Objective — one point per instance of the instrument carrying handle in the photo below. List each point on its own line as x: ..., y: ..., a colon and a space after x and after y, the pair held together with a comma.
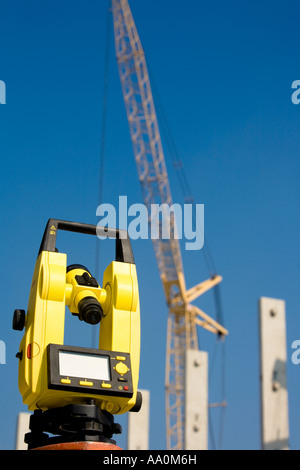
x: 123, y: 246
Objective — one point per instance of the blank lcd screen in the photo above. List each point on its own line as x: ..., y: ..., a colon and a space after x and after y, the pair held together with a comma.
x: 87, y: 366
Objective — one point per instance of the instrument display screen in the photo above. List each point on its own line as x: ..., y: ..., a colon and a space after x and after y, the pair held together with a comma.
x: 84, y: 365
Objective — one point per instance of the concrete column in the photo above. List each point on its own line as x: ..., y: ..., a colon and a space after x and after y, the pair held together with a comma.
x: 138, y: 425
x: 22, y: 429
x: 196, y: 400
x: 273, y: 357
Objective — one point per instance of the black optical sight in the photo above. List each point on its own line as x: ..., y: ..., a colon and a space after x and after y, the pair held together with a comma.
x: 90, y: 310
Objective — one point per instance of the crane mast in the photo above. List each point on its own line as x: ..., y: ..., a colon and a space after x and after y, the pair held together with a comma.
x: 183, y: 317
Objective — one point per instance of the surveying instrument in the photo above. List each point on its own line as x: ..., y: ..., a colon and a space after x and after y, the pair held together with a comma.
x: 74, y: 392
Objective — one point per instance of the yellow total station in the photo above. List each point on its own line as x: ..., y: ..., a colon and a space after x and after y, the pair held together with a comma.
x: 52, y: 374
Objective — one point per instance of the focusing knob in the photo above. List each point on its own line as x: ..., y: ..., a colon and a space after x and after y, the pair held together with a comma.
x: 18, y: 320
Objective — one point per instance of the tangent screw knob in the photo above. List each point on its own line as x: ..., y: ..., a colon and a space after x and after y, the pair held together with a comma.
x: 18, y: 320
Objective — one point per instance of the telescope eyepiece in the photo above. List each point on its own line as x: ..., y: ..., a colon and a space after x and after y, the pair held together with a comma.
x: 90, y: 310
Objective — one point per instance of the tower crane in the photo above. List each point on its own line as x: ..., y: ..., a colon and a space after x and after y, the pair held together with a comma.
x: 183, y: 315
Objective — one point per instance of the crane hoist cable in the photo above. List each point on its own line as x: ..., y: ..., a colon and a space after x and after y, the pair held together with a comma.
x: 103, y: 136
x: 174, y: 154
x: 178, y: 166
x: 183, y: 316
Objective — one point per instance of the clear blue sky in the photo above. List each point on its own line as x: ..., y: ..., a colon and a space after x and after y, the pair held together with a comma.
x: 224, y: 72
